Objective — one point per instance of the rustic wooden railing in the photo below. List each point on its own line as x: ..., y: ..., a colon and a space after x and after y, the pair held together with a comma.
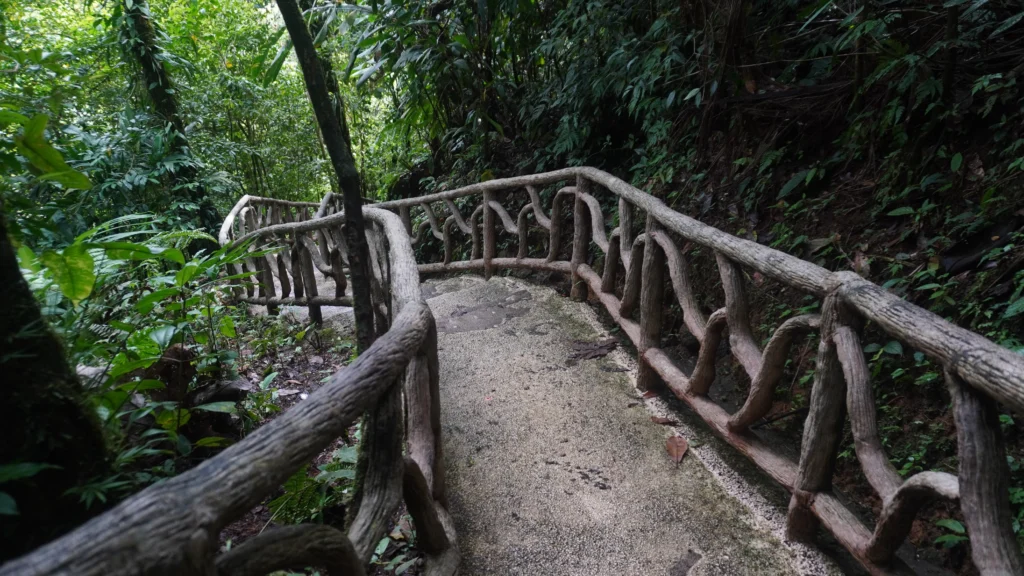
x: 173, y: 527
x: 979, y: 373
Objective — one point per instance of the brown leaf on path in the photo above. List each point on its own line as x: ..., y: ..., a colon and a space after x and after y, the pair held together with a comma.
x: 664, y: 421
x: 582, y: 350
x: 676, y: 447
x: 650, y: 394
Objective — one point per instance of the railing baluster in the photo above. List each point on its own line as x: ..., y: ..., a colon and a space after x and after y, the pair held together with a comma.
x: 406, y: 219
x: 580, y: 239
x: 524, y: 233
x: 984, y: 481
x: 823, y: 428
x: 282, y: 274
x: 490, y: 234
x: 741, y: 338
x: 309, y: 282
x: 652, y: 294
x: 610, y: 274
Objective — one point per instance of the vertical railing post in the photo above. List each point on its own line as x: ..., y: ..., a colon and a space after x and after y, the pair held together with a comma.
x: 403, y: 212
x: 984, y: 481
x: 652, y: 294
x: 266, y: 282
x: 296, y: 257
x: 309, y: 283
x: 580, y: 238
x: 490, y: 240
x: 823, y: 428
x: 625, y: 225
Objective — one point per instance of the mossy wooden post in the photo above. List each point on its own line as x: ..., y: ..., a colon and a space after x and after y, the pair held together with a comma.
x: 823, y: 428
x: 652, y: 293
x: 580, y: 239
x: 490, y: 240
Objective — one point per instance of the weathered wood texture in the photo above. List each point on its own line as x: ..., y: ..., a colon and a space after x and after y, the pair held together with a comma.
x: 979, y: 371
x: 841, y: 382
x: 173, y: 528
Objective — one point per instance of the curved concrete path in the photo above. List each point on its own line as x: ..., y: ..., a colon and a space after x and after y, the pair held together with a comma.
x: 555, y: 467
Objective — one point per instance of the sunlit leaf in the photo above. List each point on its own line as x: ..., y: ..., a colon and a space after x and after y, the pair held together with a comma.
x: 222, y: 407
x: 72, y: 270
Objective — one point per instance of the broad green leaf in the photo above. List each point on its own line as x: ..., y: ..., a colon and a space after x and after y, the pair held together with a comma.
x: 405, y: 567
x: 275, y: 66
x: 795, y: 181
x: 956, y: 162
x: 71, y: 179
x: 8, y: 117
x: 222, y: 407
x: 227, y: 327
x: 904, y: 211
x: 333, y: 475
x: 163, y: 335
x: 893, y: 347
x: 348, y: 454
x: 7, y: 505
x: 27, y: 259
x: 146, y: 304
x: 212, y: 442
x: 120, y: 369
x: 21, y: 470
x: 72, y: 270
x: 266, y: 381
x: 951, y: 525
x: 173, y: 419
x: 187, y: 273
x: 32, y: 145
x: 143, y: 385
x: 382, y: 546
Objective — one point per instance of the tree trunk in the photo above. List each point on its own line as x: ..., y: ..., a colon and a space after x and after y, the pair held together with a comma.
x: 332, y: 127
x: 44, y: 419
x: 140, y: 40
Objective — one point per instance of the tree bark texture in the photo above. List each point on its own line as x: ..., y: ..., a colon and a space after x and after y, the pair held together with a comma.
x: 45, y: 418
x: 139, y: 36
x: 334, y: 134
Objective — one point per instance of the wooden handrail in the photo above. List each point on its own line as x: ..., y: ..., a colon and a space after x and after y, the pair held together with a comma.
x: 979, y: 370
x: 173, y: 527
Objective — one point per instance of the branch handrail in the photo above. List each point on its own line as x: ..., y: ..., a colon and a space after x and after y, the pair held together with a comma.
x: 979, y: 371
x: 174, y: 527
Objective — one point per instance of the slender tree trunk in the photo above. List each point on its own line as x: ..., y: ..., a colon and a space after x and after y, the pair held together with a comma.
x: 334, y: 132
x: 44, y: 419
x: 140, y: 40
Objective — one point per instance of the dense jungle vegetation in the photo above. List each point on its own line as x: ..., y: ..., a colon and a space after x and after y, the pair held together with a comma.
x: 882, y: 136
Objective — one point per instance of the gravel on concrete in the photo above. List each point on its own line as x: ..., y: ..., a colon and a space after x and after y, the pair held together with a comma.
x: 555, y: 466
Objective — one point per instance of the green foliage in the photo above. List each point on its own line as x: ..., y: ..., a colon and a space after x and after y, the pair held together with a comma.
x: 305, y: 497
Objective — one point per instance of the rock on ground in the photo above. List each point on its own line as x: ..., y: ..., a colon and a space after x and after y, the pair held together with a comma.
x: 555, y: 466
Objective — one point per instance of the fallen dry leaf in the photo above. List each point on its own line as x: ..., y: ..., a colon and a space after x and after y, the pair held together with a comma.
x: 650, y: 394
x: 589, y: 350
x: 664, y: 421
x: 676, y: 446
x: 295, y: 382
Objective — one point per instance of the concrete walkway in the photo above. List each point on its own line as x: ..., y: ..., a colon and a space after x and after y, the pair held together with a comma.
x: 555, y: 466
